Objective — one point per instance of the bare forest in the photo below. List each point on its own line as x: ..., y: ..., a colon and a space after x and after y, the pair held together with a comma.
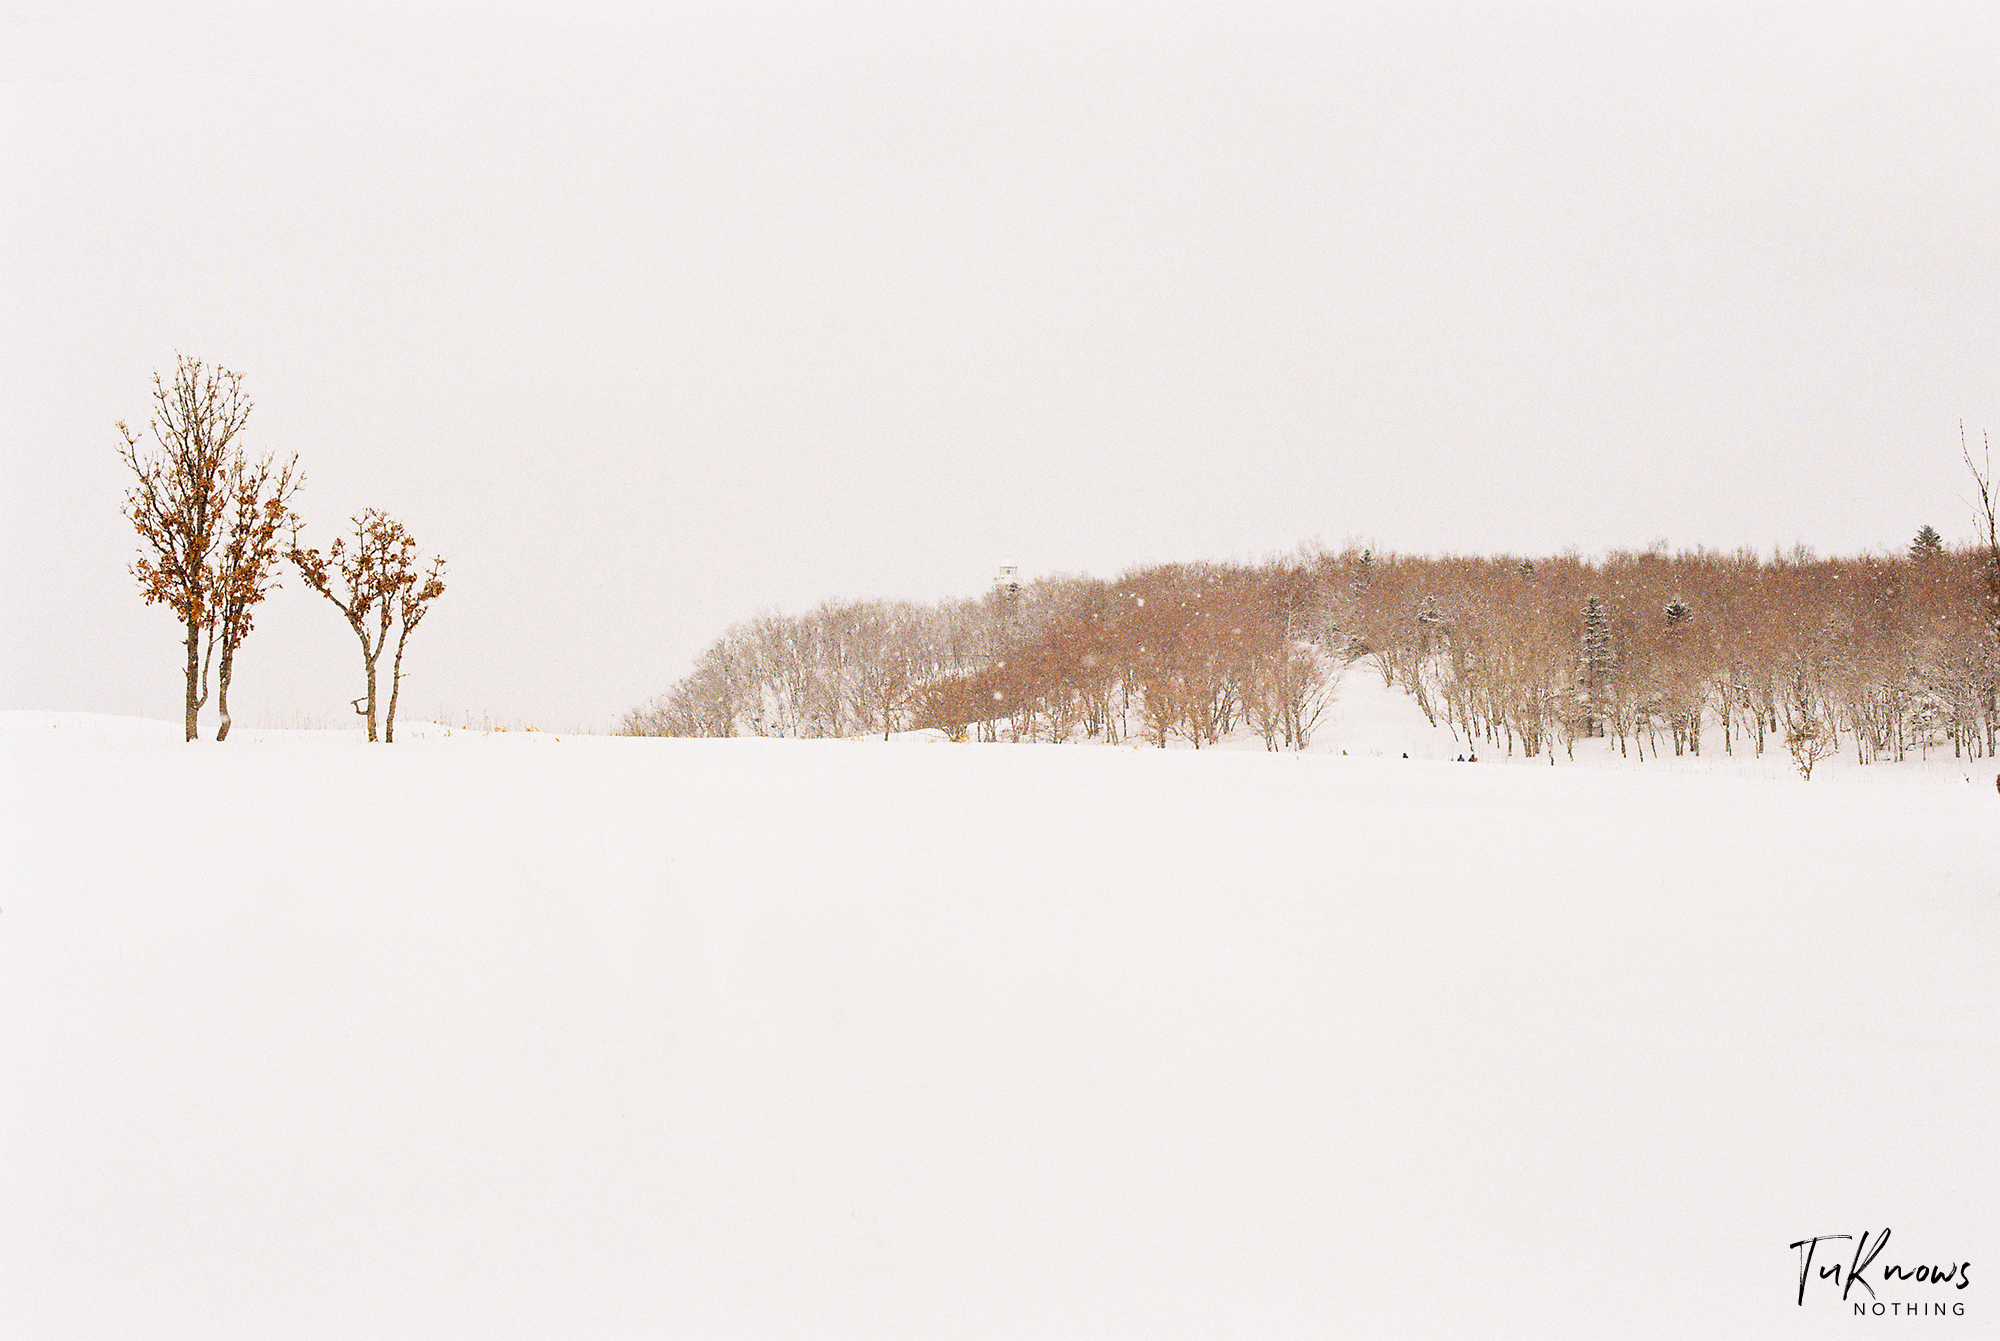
x: 1882, y: 657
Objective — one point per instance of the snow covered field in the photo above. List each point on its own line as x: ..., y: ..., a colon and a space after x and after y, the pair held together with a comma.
x: 534, y: 1036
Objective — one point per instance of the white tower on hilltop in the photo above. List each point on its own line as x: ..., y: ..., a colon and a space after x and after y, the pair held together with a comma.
x: 1008, y: 581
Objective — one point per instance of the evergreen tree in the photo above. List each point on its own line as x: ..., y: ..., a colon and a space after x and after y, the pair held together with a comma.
x: 1927, y: 543
x: 1598, y: 659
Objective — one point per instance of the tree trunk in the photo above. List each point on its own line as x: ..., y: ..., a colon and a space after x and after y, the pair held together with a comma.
x: 222, y: 688
x: 395, y: 685
x: 370, y: 651
x: 193, y: 677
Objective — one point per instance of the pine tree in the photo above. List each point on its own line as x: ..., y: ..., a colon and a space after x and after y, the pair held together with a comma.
x: 1598, y: 659
x: 1927, y: 543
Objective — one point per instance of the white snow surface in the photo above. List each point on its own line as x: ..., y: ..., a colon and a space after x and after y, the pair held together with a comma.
x: 539, y: 1036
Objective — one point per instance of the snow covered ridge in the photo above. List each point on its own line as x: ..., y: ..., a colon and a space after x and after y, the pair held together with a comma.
x: 110, y: 727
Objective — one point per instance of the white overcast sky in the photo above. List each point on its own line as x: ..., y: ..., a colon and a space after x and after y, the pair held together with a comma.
x: 653, y: 318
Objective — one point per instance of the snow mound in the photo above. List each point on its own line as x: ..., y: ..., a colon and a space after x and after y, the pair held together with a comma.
x: 822, y: 1039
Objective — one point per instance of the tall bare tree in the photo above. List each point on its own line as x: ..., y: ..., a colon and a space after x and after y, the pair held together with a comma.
x: 376, y: 585
x: 210, y: 517
x: 1986, y: 515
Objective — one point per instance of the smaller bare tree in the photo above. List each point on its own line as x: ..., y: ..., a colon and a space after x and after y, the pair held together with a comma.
x: 376, y: 585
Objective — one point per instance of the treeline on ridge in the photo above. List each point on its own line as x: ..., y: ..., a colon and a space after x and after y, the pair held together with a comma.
x: 1880, y: 655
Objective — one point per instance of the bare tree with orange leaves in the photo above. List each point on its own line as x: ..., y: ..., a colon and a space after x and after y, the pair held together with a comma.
x: 210, y: 516
x: 376, y: 584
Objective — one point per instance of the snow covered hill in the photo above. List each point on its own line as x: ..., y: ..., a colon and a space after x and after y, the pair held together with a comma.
x: 527, y: 1035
